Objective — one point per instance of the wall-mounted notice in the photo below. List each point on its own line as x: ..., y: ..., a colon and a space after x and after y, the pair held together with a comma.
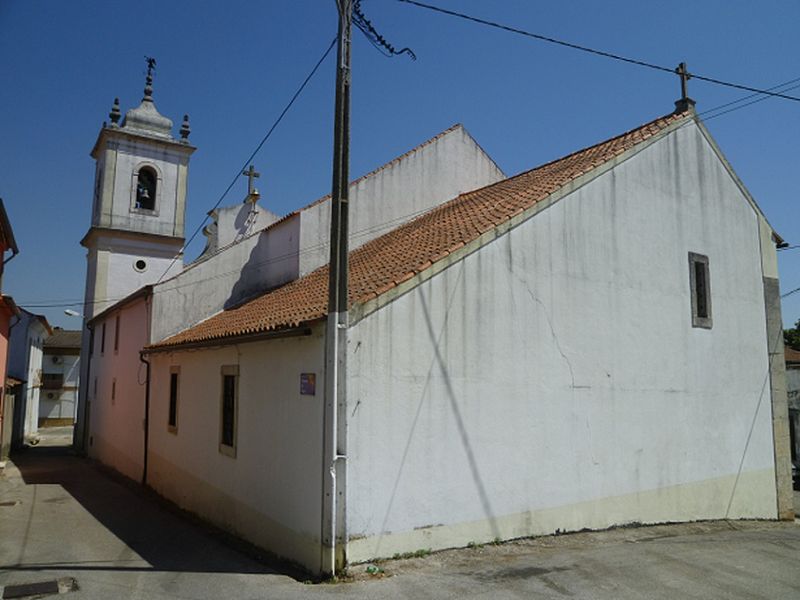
x: 308, y: 384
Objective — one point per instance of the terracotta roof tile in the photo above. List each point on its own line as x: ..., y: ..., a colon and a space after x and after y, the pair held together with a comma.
x: 402, y: 253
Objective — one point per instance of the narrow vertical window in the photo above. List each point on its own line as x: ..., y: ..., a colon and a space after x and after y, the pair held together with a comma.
x: 229, y: 409
x: 700, y: 289
x: 172, y: 416
x: 116, y: 335
x: 103, y: 339
x: 146, y: 189
x: 113, y: 391
x: 91, y: 342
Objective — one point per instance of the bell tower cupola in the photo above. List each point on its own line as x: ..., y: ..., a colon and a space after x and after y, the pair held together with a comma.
x: 136, y: 233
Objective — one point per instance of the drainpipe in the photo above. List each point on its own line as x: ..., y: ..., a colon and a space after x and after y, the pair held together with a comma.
x: 146, y: 414
x: 82, y: 446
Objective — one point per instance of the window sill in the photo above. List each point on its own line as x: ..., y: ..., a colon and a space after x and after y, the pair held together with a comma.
x: 227, y: 450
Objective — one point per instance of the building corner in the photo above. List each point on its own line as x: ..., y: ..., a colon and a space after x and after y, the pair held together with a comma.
x: 777, y: 373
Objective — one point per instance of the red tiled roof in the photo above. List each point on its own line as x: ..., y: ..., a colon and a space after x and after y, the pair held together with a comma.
x: 399, y: 255
x: 791, y: 355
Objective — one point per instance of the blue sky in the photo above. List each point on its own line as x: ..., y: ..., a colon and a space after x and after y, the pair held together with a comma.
x: 233, y: 65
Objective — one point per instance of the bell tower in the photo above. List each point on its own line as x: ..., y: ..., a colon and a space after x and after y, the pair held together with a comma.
x: 137, y: 227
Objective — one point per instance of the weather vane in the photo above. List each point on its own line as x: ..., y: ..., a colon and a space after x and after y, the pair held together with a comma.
x: 151, y: 65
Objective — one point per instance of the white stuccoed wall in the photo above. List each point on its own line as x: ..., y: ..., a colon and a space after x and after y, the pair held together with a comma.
x: 233, y: 223
x: 271, y: 492
x: 405, y: 188
x: 553, y: 380
x: 63, y: 403
x: 224, y: 279
x: 26, y: 343
x: 132, y: 153
x: 116, y: 430
x: 32, y: 387
x: 425, y: 177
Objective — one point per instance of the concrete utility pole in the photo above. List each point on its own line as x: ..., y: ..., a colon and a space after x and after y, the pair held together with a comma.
x: 335, y: 427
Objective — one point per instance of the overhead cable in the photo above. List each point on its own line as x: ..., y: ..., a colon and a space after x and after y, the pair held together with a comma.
x: 602, y: 53
x: 253, y: 154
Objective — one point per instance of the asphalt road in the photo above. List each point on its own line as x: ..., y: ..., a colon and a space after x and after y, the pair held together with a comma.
x: 60, y: 517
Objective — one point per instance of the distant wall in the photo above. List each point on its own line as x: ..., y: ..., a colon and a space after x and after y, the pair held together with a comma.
x: 58, y: 406
x: 252, y: 265
x: 425, y: 177
x: 400, y: 191
x: 116, y: 390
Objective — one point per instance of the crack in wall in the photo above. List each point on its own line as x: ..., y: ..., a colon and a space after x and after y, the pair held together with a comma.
x: 549, y: 322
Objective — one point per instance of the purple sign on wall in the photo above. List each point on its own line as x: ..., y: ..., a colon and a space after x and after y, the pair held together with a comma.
x: 308, y: 384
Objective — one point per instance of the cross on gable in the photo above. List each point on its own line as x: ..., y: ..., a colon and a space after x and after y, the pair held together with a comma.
x: 685, y: 76
x: 251, y: 174
x: 685, y: 102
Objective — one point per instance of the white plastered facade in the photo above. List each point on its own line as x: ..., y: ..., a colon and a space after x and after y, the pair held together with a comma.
x: 552, y: 379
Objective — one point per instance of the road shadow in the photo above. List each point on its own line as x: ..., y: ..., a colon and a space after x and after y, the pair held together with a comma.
x: 163, y: 535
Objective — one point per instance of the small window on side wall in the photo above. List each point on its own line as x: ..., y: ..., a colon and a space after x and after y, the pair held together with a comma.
x: 700, y: 288
x: 172, y: 417
x: 229, y: 410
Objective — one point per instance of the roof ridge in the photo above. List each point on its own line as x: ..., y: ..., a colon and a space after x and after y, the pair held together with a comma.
x: 567, y: 156
x: 384, y: 166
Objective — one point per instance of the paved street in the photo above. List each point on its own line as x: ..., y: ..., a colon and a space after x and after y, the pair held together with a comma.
x: 61, y: 517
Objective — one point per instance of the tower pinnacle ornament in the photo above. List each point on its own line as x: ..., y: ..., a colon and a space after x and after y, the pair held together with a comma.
x: 148, y: 86
x: 115, y: 113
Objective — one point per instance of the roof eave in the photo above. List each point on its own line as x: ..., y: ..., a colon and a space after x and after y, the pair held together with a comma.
x: 142, y: 292
x: 304, y: 329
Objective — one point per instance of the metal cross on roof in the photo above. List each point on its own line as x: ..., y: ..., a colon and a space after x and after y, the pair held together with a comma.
x: 685, y: 76
x: 685, y: 102
x: 251, y: 174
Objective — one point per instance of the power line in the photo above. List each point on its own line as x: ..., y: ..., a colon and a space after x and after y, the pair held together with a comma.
x: 756, y: 95
x: 253, y: 154
x: 787, y: 294
x: 67, y: 302
x: 603, y: 53
x: 761, y: 99
x: 374, y: 228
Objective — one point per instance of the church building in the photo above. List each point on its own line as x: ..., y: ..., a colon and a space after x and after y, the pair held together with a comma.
x: 581, y: 345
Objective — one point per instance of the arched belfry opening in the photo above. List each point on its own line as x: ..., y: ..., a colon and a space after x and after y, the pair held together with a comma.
x: 146, y: 188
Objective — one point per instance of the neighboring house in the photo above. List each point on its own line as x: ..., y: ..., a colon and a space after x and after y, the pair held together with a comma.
x: 60, y: 378
x: 8, y: 313
x: 793, y: 393
x: 551, y: 352
x: 28, y: 334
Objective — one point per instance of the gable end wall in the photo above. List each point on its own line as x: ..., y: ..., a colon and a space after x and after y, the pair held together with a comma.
x: 553, y: 379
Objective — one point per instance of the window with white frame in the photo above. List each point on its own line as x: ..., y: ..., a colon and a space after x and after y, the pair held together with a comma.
x: 700, y: 288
